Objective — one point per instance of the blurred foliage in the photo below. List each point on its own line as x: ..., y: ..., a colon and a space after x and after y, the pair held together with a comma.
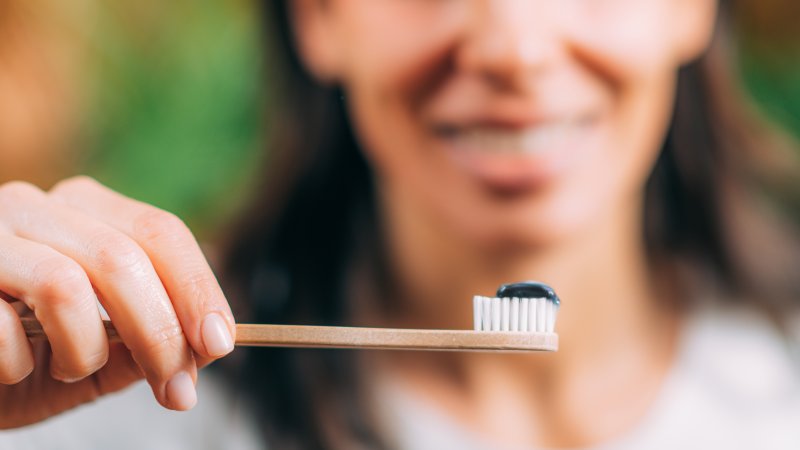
x: 775, y: 85
x: 176, y: 114
x: 176, y: 109
x: 769, y: 42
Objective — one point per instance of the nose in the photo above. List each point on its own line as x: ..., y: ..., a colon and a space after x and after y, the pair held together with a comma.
x: 507, y: 41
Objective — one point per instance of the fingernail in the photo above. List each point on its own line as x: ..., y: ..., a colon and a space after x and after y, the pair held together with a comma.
x: 58, y: 375
x: 216, y: 336
x: 67, y: 380
x: 181, y: 394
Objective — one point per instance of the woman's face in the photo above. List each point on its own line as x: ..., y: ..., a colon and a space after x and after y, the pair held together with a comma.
x: 506, y: 121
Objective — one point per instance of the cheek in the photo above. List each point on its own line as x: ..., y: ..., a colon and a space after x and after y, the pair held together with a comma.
x: 389, y: 75
x: 634, y: 67
x: 408, y: 168
x: 626, y: 38
x: 610, y: 183
x: 416, y: 182
x: 392, y: 47
x: 395, y: 71
x: 607, y: 188
x: 614, y: 181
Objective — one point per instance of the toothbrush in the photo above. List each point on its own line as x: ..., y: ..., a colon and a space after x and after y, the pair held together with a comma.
x: 527, y: 307
x: 521, y: 318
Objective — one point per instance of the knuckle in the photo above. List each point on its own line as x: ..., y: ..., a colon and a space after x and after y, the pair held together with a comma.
x: 83, y: 365
x: 80, y: 182
x: 7, y: 323
x: 18, y: 191
x: 61, y: 281
x: 112, y: 252
x: 163, y: 345
x: 203, y: 287
x: 158, y: 225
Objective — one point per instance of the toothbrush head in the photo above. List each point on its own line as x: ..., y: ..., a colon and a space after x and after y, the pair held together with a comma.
x: 528, y: 307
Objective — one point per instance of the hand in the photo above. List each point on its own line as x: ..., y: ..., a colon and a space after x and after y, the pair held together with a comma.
x: 64, y: 250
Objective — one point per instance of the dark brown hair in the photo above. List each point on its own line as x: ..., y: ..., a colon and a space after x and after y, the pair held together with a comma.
x: 294, y: 253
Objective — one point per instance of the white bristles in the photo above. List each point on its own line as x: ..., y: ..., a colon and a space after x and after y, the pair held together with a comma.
x: 514, y: 314
x: 496, y: 314
x: 533, y: 315
x: 477, y: 305
x: 523, y: 314
x: 505, y: 319
x: 551, y: 316
x: 487, y: 313
x: 541, y: 313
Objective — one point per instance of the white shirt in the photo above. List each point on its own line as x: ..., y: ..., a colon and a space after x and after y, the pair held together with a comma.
x: 735, y: 385
x: 133, y: 420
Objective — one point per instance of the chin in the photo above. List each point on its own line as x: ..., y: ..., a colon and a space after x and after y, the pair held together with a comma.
x: 506, y: 237
x: 534, y: 225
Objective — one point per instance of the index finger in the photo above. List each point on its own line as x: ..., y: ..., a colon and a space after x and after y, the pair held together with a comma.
x: 197, y: 298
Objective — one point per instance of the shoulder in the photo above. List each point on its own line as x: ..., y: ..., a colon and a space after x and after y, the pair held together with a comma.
x: 735, y: 384
x: 743, y: 351
x: 133, y: 420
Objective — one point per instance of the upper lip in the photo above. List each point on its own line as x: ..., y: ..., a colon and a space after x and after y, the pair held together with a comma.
x: 470, y: 120
x: 508, y: 118
x: 511, y: 122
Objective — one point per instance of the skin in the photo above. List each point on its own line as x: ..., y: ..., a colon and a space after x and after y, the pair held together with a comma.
x: 421, y: 78
x: 63, y: 250
x: 464, y: 214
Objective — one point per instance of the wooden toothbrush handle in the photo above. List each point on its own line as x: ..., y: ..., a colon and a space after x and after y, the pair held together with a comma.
x: 34, y: 331
x: 365, y: 338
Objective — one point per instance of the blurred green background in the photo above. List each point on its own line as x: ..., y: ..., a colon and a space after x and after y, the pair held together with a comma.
x: 177, y: 89
x: 176, y: 101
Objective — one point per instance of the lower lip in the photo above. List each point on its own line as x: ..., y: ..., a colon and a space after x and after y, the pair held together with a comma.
x: 513, y: 172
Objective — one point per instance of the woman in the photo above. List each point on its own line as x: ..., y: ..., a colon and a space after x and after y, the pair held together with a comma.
x: 492, y: 141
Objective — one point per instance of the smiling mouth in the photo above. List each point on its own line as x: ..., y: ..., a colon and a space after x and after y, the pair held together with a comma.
x: 519, y: 158
x: 531, y: 140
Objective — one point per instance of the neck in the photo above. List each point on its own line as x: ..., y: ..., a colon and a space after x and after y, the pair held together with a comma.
x: 601, y: 274
x: 611, y: 318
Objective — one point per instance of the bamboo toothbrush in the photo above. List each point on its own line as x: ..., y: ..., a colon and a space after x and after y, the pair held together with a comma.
x: 521, y: 318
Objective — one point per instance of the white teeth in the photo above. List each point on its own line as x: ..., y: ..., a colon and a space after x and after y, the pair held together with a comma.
x: 529, y: 140
x: 533, y: 315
